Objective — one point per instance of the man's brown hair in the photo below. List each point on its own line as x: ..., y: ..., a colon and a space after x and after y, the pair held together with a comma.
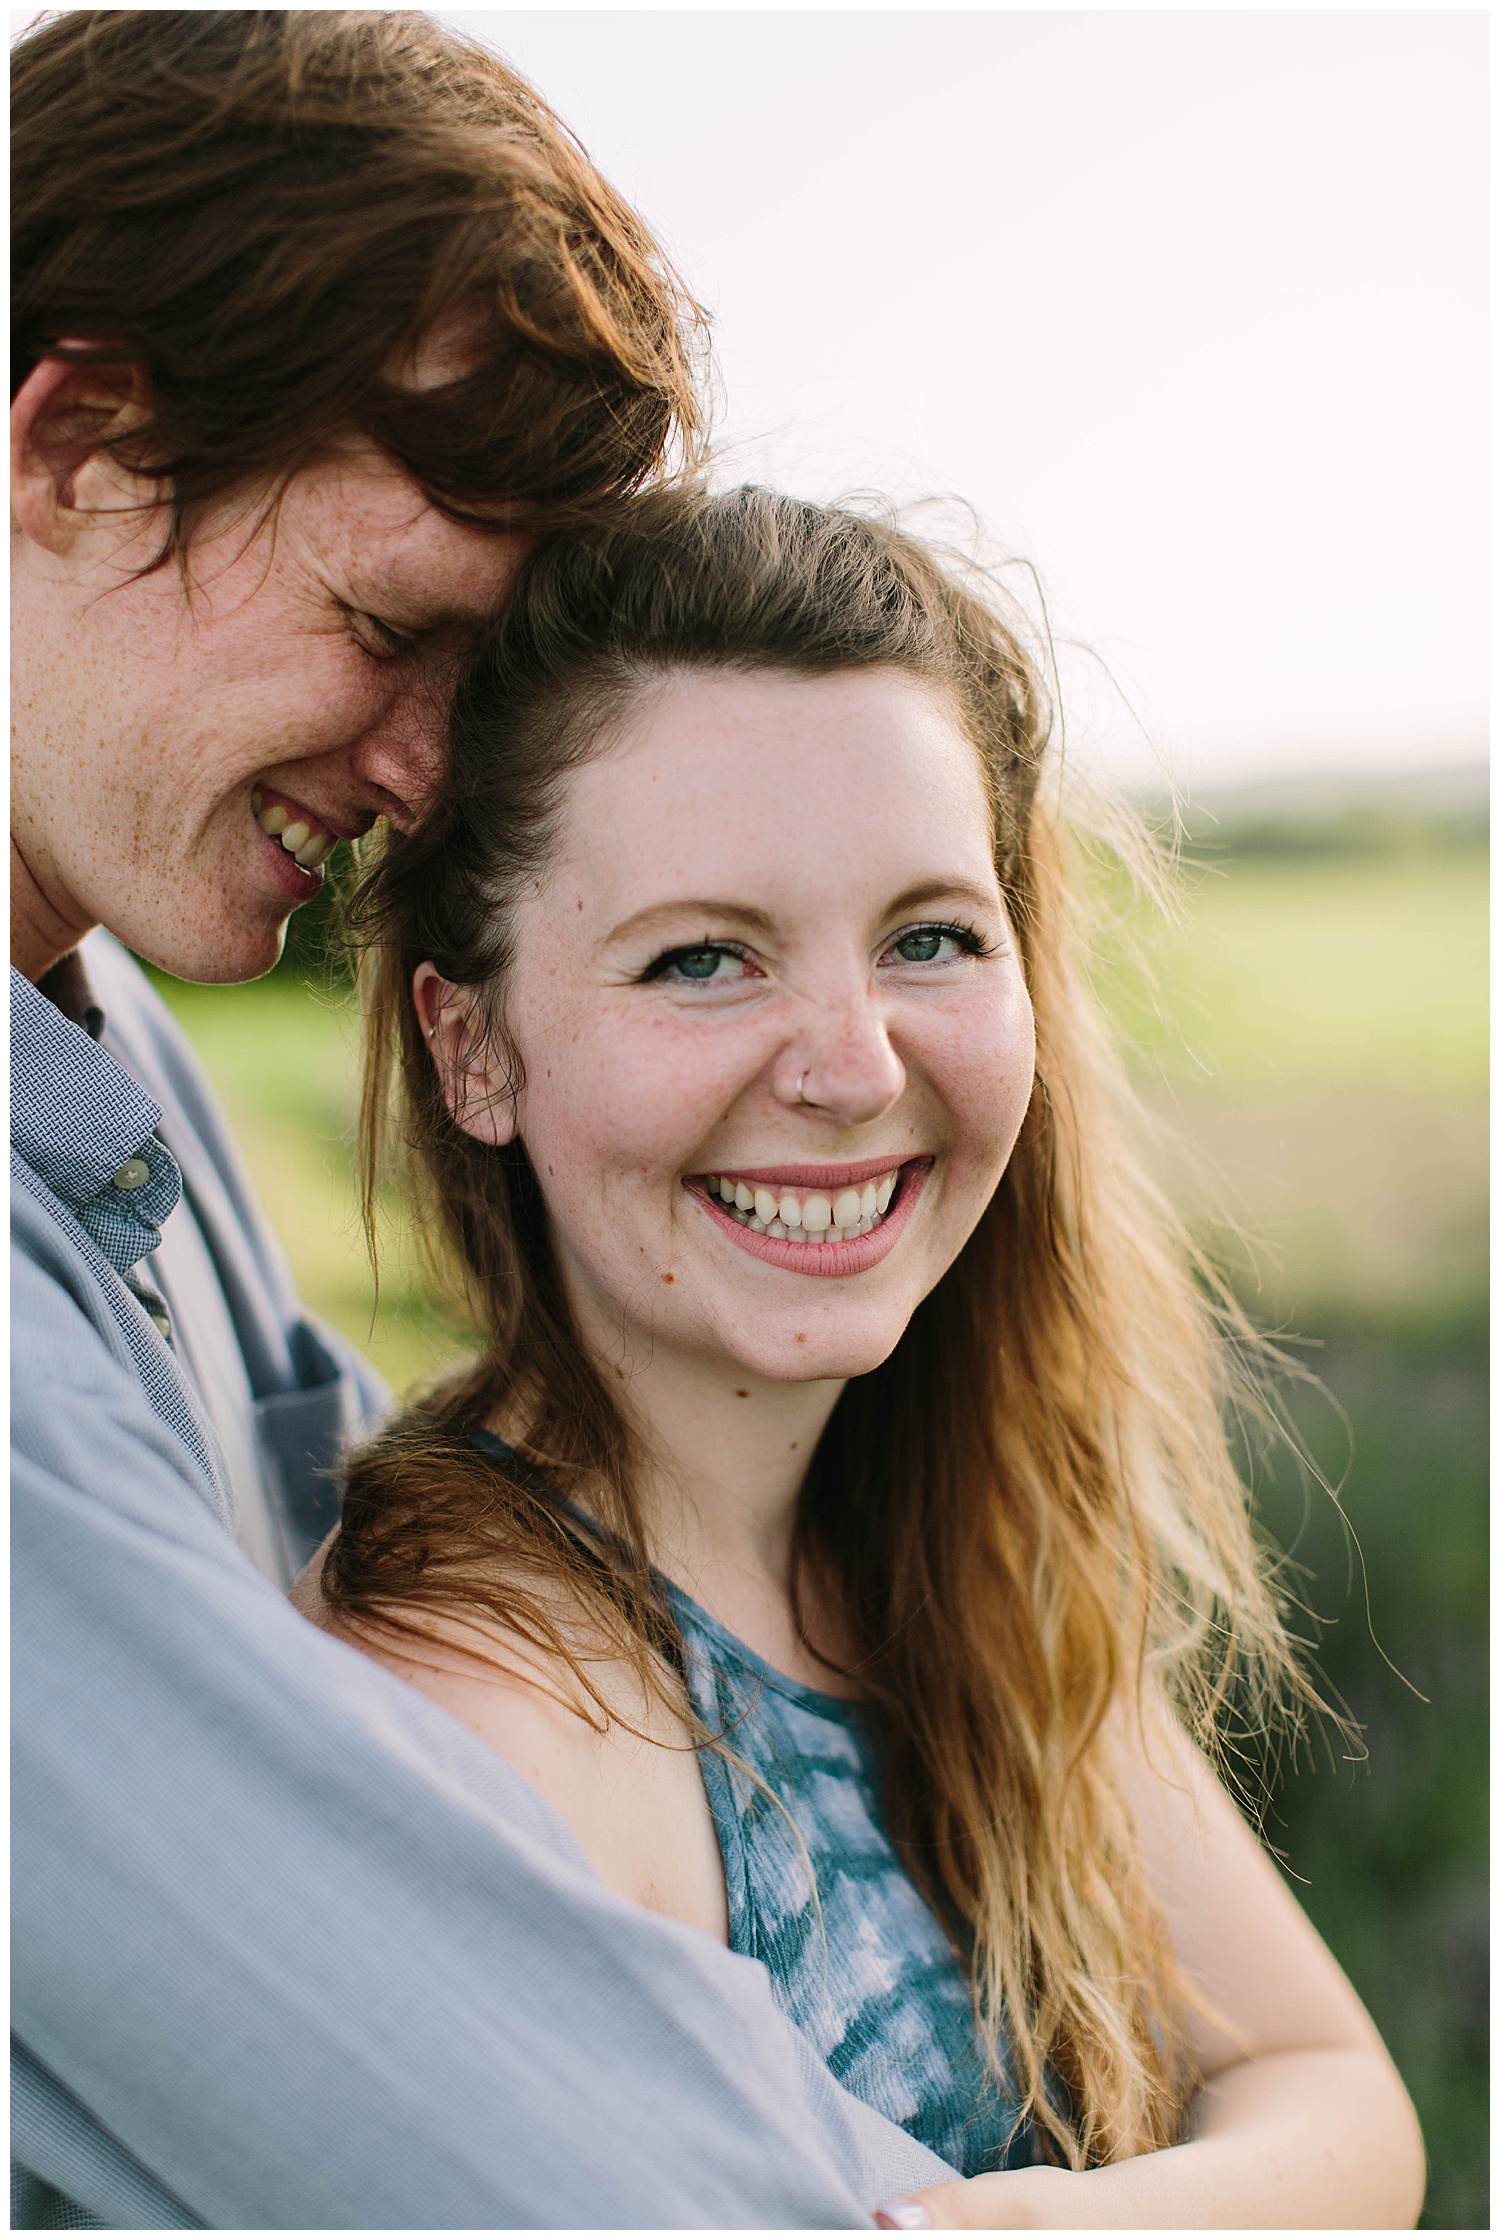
x: 272, y: 209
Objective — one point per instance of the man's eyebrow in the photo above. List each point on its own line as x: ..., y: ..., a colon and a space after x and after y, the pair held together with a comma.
x: 415, y: 602
x: 414, y: 614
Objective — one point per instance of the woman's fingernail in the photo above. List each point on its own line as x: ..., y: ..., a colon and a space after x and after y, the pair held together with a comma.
x: 903, y: 2216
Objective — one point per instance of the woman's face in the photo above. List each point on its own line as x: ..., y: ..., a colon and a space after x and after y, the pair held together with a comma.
x: 775, y: 1037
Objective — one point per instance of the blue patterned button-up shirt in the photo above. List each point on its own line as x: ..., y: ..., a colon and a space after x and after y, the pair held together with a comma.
x: 78, y: 1119
x: 293, y: 1949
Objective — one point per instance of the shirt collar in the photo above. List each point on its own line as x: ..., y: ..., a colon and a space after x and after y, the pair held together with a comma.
x: 79, y: 1120
x: 69, y: 986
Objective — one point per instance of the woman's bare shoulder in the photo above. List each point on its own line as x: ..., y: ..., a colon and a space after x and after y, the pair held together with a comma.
x: 497, y: 1677
x: 611, y: 1756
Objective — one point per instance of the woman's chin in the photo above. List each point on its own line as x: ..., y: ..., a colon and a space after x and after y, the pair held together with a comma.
x: 806, y: 1356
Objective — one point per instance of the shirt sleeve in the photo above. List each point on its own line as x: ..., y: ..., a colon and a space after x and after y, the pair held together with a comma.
x: 295, y: 1949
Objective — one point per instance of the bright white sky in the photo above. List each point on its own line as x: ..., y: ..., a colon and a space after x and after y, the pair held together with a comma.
x: 1190, y: 306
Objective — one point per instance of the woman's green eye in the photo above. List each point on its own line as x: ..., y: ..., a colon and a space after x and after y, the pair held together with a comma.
x: 705, y: 961
x: 937, y: 945
x: 922, y: 946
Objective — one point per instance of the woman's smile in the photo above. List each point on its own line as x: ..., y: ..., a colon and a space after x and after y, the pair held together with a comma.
x: 746, y: 1054
x: 815, y: 1221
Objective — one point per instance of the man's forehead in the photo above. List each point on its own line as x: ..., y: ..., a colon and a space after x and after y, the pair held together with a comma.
x: 378, y: 530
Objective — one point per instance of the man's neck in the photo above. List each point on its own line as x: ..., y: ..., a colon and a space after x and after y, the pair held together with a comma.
x: 40, y: 933
x: 68, y: 986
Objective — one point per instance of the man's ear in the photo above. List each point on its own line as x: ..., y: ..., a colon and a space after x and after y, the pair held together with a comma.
x: 61, y: 479
x: 479, y: 1088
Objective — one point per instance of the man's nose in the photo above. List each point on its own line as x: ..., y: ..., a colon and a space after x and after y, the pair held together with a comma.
x: 403, y: 752
x: 843, y: 1063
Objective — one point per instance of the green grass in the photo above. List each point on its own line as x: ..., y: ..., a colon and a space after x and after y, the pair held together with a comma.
x: 283, y: 1055
x: 1292, y: 976
x: 1316, y: 1035
x: 1389, y: 1855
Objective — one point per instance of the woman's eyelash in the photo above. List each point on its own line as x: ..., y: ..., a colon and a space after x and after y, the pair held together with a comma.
x: 969, y: 937
x: 669, y: 957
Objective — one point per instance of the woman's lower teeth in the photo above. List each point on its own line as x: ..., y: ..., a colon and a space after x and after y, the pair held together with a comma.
x: 764, y: 1211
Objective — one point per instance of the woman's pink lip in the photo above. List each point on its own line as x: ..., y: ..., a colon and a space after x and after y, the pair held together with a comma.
x: 848, y: 1259
x: 819, y: 1178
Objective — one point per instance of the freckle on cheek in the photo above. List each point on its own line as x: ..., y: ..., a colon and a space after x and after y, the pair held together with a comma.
x: 740, y: 1393
x: 801, y: 1337
x: 667, y: 1276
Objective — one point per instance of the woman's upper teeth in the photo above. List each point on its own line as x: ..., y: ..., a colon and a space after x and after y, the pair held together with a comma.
x: 299, y: 836
x: 813, y: 1216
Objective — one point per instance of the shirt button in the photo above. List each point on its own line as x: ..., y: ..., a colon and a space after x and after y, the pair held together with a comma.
x: 134, y: 1175
x: 163, y: 1322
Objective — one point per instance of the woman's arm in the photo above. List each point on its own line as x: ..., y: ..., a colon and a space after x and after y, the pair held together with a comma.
x: 1302, y: 2119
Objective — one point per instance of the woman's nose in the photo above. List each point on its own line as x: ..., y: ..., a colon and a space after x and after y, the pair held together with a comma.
x: 843, y: 1065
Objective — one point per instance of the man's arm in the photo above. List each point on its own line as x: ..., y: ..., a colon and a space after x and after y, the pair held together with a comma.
x: 305, y: 1949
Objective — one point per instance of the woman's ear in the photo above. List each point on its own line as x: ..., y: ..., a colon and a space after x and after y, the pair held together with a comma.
x: 64, y: 485
x: 478, y: 1086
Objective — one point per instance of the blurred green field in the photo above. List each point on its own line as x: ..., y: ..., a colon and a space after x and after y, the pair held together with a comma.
x: 1296, y: 974
x: 1314, y: 1038
x: 1314, y: 1032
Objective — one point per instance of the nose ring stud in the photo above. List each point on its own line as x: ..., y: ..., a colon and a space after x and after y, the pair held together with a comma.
x: 802, y: 1076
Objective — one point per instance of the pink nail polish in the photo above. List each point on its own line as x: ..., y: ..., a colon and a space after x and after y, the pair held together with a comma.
x: 903, y: 2216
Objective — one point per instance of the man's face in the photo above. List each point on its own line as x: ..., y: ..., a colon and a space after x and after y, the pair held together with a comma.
x: 174, y: 731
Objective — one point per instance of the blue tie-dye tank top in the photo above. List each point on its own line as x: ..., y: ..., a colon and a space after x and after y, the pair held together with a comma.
x: 857, y: 1959
x: 863, y: 1967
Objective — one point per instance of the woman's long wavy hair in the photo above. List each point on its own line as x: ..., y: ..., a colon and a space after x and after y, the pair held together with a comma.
x: 1028, y: 1515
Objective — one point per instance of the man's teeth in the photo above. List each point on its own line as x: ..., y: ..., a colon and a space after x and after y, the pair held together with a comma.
x: 816, y: 1218
x: 301, y: 840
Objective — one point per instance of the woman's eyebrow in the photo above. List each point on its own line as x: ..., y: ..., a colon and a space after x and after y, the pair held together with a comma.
x: 663, y: 915
x: 931, y: 891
